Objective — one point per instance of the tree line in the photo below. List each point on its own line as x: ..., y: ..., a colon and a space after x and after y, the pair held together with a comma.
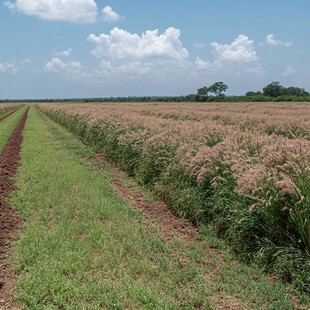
x: 215, y: 92
x: 271, y: 92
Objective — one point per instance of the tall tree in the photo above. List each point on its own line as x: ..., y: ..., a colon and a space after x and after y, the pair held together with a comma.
x: 218, y: 88
x: 203, y: 91
x: 274, y: 89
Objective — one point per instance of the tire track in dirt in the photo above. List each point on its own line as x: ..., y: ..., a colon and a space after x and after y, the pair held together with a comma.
x: 7, y: 115
x: 172, y: 228
x: 10, y: 222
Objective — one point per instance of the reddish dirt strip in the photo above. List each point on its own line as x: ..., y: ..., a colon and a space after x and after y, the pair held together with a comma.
x: 169, y: 225
x: 7, y: 115
x: 10, y: 222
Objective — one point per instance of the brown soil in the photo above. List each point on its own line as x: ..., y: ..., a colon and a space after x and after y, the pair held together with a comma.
x: 7, y: 115
x: 228, y: 303
x: 10, y: 222
x: 170, y: 226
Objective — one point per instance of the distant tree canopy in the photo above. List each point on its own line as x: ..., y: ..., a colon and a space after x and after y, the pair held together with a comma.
x: 217, y: 89
x: 253, y: 93
x: 275, y: 89
x: 271, y: 92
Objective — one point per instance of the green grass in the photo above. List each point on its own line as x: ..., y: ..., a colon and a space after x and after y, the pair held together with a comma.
x: 271, y: 237
x: 83, y: 247
x: 8, y: 125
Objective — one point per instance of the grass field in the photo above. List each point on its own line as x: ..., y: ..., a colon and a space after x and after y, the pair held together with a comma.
x: 241, y: 168
x: 84, y: 246
x: 8, y: 124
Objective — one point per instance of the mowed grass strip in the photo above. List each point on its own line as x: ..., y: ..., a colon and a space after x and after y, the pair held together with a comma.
x: 8, y: 125
x: 83, y: 247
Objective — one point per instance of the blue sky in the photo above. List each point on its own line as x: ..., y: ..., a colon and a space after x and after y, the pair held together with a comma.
x: 88, y: 48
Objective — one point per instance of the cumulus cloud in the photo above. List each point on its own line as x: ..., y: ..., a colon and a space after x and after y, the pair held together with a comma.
x: 149, y: 54
x: 158, y: 58
x: 272, y: 41
x: 201, y: 64
x: 240, y: 50
x: 81, y: 11
x: 64, y: 53
x: 124, y: 55
x: 120, y: 44
x: 8, y: 68
x: 239, y: 55
x: 109, y: 15
x: 72, y: 69
x: 288, y: 71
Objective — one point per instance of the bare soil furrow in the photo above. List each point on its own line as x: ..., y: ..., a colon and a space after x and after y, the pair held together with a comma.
x: 10, y: 222
x: 7, y: 115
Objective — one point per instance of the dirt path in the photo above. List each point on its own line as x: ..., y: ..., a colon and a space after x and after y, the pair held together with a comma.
x: 9, y: 219
x: 172, y: 227
x: 7, y: 115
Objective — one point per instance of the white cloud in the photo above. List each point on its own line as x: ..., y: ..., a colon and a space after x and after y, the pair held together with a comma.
x: 147, y: 55
x: 202, y: 65
x: 109, y: 15
x: 71, y: 68
x: 272, y: 41
x: 8, y: 67
x: 64, y: 53
x: 240, y: 50
x: 120, y: 44
x: 152, y: 58
x: 238, y: 56
x: 81, y: 11
x: 124, y: 55
x: 288, y: 71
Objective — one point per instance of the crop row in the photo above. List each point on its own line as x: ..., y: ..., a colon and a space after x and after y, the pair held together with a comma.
x: 251, y: 187
x: 284, y: 119
x: 6, y: 108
